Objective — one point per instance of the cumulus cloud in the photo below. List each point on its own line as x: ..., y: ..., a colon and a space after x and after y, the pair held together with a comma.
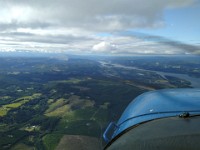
x: 89, y: 14
x: 74, y: 25
x: 104, y: 47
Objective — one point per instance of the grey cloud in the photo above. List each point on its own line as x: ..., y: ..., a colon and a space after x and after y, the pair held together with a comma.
x: 87, y: 15
x: 51, y: 39
x: 97, y: 15
x: 14, y: 25
x: 178, y: 46
x: 187, y: 48
x: 193, y: 49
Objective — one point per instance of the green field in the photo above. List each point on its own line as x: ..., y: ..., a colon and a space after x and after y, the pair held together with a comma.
x: 51, y: 140
x: 17, y: 103
x: 45, y: 102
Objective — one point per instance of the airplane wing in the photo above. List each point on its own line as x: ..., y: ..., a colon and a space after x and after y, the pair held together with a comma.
x: 158, y: 120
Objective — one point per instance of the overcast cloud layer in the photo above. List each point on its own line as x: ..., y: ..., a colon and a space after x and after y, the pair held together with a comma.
x: 88, y: 26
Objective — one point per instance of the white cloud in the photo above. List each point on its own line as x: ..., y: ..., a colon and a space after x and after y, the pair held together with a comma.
x: 104, y: 47
x: 73, y: 25
x: 89, y: 14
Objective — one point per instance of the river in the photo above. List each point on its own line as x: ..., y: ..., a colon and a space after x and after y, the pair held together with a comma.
x: 195, y: 82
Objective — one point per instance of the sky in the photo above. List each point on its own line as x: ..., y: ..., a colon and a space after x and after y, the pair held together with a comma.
x: 117, y: 27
